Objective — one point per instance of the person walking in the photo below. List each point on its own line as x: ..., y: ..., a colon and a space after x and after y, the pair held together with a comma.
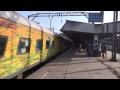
x: 104, y: 51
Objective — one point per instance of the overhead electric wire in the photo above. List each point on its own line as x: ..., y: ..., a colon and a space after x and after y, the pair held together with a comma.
x: 40, y: 18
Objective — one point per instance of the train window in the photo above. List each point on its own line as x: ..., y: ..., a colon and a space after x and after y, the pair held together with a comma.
x: 53, y: 44
x: 3, y: 42
x: 39, y: 44
x: 47, y: 44
x: 24, y: 45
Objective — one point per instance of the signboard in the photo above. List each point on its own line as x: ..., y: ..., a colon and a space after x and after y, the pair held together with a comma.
x: 95, y: 17
x: 2, y: 23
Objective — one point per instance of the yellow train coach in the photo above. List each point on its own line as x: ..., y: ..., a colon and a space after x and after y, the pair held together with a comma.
x: 25, y: 44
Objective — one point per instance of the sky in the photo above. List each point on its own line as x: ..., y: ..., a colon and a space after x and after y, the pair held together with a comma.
x: 58, y: 22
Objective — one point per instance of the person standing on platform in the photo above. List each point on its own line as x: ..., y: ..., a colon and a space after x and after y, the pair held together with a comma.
x: 73, y: 46
x: 80, y: 47
x: 89, y: 48
x: 95, y: 51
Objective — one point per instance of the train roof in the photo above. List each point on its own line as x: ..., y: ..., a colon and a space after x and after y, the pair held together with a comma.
x: 65, y: 37
x: 13, y: 16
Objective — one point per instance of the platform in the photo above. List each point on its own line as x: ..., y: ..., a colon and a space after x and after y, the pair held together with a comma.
x: 74, y: 65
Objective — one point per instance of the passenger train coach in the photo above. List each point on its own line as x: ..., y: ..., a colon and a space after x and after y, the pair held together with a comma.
x: 25, y: 44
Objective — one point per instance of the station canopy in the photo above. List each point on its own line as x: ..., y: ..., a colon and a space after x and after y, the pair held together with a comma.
x: 80, y: 31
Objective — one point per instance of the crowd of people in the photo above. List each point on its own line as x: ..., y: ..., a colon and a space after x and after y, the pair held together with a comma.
x: 93, y: 50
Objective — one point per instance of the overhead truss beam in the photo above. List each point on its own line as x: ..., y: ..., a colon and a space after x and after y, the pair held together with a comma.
x: 58, y: 14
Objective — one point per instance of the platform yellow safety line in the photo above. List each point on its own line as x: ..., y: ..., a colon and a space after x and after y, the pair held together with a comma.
x: 44, y: 75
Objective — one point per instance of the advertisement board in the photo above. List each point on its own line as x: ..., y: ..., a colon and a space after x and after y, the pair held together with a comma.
x: 95, y: 17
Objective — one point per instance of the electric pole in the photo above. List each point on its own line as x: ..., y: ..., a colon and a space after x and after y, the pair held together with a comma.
x: 50, y: 21
x: 114, y: 37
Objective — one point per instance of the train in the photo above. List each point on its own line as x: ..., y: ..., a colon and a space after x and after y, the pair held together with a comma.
x: 25, y: 44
